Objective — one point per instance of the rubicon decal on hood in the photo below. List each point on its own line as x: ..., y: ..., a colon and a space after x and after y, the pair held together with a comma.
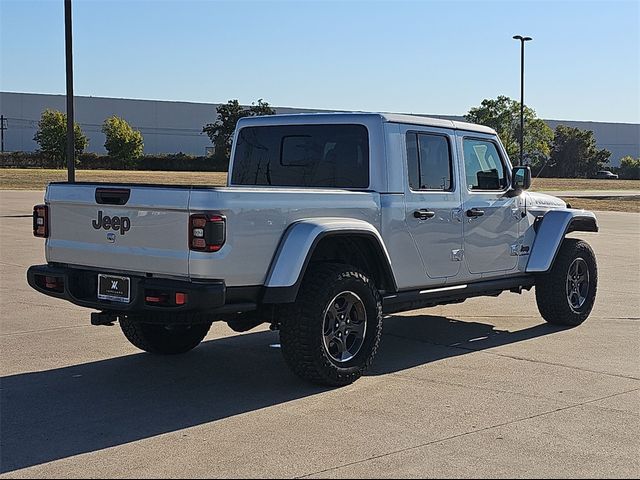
x: 541, y: 200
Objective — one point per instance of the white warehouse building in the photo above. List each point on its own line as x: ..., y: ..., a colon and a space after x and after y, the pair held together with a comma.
x: 172, y: 127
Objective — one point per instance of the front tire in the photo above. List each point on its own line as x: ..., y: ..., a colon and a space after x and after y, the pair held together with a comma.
x: 163, y: 339
x: 566, y: 294
x: 331, y: 334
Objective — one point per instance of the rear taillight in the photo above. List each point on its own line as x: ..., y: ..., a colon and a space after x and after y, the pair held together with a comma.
x: 206, y: 232
x: 41, y: 221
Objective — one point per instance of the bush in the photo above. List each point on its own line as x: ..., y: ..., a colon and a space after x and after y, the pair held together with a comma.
x: 182, y: 162
x: 92, y: 161
x: 629, y: 168
x: 25, y: 160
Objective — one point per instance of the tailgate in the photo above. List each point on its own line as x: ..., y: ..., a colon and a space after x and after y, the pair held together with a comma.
x: 147, y: 234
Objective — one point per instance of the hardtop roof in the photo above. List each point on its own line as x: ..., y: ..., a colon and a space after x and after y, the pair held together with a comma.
x: 298, y: 118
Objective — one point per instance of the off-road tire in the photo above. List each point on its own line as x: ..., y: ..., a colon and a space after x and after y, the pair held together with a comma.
x: 163, y: 339
x: 551, y: 288
x: 301, y: 325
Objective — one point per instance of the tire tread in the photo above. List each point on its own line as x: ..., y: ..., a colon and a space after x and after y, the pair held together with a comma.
x: 550, y: 287
x: 298, y: 321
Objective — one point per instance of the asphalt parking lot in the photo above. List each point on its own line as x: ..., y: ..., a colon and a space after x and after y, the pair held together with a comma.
x: 480, y: 389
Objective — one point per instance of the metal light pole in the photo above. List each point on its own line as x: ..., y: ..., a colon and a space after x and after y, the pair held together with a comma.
x: 522, y: 40
x: 3, y: 127
x: 71, y: 163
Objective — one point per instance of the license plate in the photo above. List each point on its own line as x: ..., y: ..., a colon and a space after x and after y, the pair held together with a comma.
x: 116, y: 289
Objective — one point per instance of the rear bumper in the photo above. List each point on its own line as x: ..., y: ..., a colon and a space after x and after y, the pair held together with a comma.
x: 79, y: 286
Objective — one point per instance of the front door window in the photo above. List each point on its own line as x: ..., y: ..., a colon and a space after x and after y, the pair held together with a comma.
x: 483, y: 166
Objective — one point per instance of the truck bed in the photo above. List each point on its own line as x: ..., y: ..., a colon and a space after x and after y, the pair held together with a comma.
x: 157, y: 240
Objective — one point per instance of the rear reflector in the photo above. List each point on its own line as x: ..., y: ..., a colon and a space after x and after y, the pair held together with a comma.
x: 199, y: 244
x: 207, y: 232
x: 41, y: 221
x: 46, y: 282
x: 163, y: 298
x: 156, y: 298
x: 181, y: 298
x: 52, y: 282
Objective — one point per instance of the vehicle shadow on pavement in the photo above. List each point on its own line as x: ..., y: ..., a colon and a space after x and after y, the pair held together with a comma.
x: 59, y: 413
x: 413, y: 340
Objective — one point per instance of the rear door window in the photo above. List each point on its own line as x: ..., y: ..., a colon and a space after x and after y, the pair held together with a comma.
x: 429, y: 162
x: 333, y: 155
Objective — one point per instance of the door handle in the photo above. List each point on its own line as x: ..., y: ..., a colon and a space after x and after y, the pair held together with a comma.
x: 424, y: 214
x: 475, y: 212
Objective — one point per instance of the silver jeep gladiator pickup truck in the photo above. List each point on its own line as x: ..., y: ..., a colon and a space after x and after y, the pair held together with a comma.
x: 327, y: 223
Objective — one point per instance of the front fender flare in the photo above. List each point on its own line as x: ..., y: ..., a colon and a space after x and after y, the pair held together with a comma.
x: 552, y: 230
x: 296, y: 249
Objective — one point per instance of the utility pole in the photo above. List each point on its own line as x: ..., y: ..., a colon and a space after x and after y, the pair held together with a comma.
x: 522, y: 40
x: 71, y: 160
x: 3, y: 127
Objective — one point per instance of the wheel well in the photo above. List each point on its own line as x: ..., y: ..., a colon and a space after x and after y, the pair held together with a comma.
x: 362, y: 251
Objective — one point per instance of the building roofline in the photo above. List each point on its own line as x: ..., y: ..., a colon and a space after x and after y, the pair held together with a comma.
x: 309, y: 110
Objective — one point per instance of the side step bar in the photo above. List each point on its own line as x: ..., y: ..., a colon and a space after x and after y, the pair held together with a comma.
x: 430, y: 297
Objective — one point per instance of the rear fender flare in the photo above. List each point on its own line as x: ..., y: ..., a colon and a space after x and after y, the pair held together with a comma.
x: 297, y: 247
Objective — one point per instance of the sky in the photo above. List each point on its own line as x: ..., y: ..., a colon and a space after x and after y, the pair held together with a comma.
x: 433, y: 57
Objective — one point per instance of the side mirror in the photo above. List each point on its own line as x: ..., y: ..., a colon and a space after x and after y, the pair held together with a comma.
x: 521, y: 178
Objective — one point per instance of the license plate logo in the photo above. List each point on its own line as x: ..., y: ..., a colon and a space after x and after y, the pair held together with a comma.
x: 114, y: 288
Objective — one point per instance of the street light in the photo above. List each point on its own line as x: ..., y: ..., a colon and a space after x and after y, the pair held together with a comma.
x: 68, y: 50
x: 522, y: 40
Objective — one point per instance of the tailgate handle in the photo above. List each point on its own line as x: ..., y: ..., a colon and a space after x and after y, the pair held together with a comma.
x: 112, y: 196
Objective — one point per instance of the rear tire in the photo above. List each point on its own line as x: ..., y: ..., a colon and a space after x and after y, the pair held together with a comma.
x: 566, y: 294
x: 163, y: 339
x: 331, y: 334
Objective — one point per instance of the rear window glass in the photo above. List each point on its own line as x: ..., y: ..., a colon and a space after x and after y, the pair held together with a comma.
x: 302, y: 156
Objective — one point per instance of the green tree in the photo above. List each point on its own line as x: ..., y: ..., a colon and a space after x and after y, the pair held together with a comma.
x: 122, y: 141
x: 629, y: 168
x: 52, y: 136
x: 574, y: 153
x: 221, y: 132
x: 261, y: 108
x: 503, y: 115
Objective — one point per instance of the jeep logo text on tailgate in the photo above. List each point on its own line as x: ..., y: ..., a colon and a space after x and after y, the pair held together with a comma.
x: 119, y: 224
